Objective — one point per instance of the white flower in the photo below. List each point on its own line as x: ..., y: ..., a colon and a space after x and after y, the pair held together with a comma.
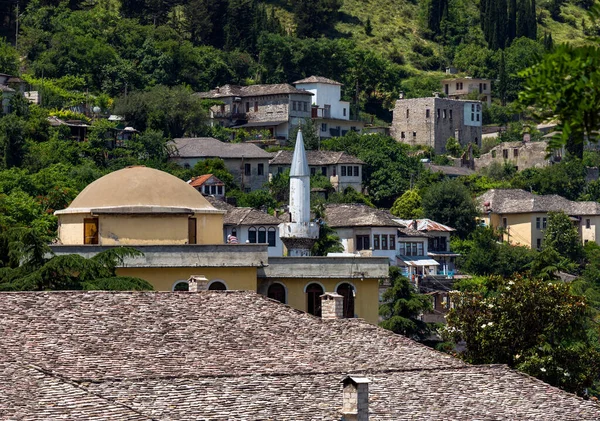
x: 511, y: 283
x: 490, y: 324
x: 490, y: 305
x: 567, y: 374
x: 483, y: 326
x: 543, y: 370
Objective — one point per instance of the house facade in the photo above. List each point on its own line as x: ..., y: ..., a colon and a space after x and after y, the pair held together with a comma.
x: 521, y: 155
x: 466, y: 87
x: 432, y: 121
x: 248, y: 163
x: 276, y: 108
x: 330, y: 113
x: 209, y: 185
x: 522, y: 217
x: 343, y: 170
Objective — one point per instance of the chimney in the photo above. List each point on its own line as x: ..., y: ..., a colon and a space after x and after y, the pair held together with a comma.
x: 414, y: 224
x: 355, y: 404
x: 401, y: 95
x: 197, y: 283
x: 332, y: 306
x: 436, y: 94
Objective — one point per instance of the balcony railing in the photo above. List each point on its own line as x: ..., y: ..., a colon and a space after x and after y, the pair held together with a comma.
x: 321, y: 112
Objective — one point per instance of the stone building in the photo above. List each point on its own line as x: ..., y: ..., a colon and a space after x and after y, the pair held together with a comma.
x: 181, y: 235
x: 236, y: 355
x: 248, y: 163
x: 521, y: 155
x: 466, y: 87
x: 277, y: 108
x: 432, y: 121
x: 342, y: 169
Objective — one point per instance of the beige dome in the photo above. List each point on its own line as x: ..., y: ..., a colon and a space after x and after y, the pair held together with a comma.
x: 139, y: 190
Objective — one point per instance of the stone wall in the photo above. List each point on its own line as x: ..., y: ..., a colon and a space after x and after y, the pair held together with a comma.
x: 520, y: 154
x: 432, y: 121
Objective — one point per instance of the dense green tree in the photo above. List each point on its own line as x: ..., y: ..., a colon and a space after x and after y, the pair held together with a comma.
x: 216, y: 167
x: 435, y: 12
x: 408, y: 206
x: 9, y: 58
x: 314, y: 17
x: 450, y: 203
x: 565, y: 87
x: 401, y: 307
x: 566, y: 179
x: 12, y: 140
x: 562, y: 236
x: 535, y: 326
x: 205, y: 20
x: 328, y: 241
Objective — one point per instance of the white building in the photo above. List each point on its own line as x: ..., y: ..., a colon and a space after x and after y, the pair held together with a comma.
x: 331, y: 114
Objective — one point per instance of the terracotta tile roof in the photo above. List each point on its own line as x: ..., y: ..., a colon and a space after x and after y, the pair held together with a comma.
x: 208, y: 147
x: 236, y: 355
x: 317, y: 79
x: 200, y: 180
x: 316, y: 158
x: 520, y: 201
x: 252, y: 90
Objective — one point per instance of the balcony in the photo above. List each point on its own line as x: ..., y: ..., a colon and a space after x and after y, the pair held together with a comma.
x: 229, y: 115
x: 321, y: 112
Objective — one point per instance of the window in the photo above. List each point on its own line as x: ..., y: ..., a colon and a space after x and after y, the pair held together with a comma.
x: 493, y: 154
x: 213, y: 189
x: 438, y: 113
x: 276, y: 292
x: 539, y: 243
x: 505, y: 153
x: 261, y: 169
x: 384, y: 242
x: 362, y: 242
x: 192, y: 231
x: 477, y: 117
x: 247, y: 169
x: 427, y: 113
x: 450, y: 111
x: 294, y: 105
x: 247, y: 107
x: 343, y: 170
x: 407, y: 111
x: 402, y: 135
x: 324, y: 171
x: 356, y: 171
x: 272, y: 237
x: 90, y: 231
x: 472, y: 108
x: 344, y: 112
x: 220, y: 190
x: 537, y: 223
x: 485, y: 86
x: 247, y: 189
x: 414, y: 134
x: 544, y: 222
x: 255, y: 106
x: 505, y: 223
x: 457, y: 86
x: 262, y: 235
x: 347, y: 291
x: 472, y: 116
x: 376, y: 245
x: 313, y: 299
x: 305, y: 106
x: 313, y: 171
x: 515, y: 153
x: 402, y: 249
x: 217, y: 286
x: 420, y: 251
x: 444, y: 113
x: 588, y: 223
x: 323, y: 127
x: 252, y: 235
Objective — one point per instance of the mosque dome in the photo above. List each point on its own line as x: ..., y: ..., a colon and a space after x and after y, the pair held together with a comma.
x: 139, y: 189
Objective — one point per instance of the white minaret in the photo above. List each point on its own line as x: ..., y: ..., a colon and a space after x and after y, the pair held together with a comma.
x: 300, y: 233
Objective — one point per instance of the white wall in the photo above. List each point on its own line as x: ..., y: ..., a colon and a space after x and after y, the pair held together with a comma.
x: 242, y: 236
x: 324, y: 93
x: 472, y: 115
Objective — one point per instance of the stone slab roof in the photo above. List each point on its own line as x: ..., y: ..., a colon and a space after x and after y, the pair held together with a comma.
x: 317, y: 79
x: 426, y: 224
x: 243, y: 216
x: 450, y: 170
x: 224, y: 355
x: 208, y: 147
x: 504, y: 201
x: 252, y: 90
x: 316, y: 158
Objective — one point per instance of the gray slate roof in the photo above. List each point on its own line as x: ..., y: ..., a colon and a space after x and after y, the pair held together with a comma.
x: 236, y: 355
x: 252, y: 90
x: 520, y: 201
x: 450, y: 170
x: 317, y: 79
x: 316, y: 158
x: 243, y: 216
x: 208, y: 147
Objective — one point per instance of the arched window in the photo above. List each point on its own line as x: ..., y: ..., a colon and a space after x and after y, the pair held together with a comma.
x: 181, y: 286
x: 262, y: 235
x: 347, y: 291
x: 277, y: 292
x: 313, y: 299
x: 252, y: 235
x: 217, y: 286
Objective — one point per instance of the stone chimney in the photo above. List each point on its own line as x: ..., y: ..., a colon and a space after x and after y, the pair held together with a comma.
x: 332, y: 306
x: 355, y: 406
x: 436, y: 94
x: 401, y: 96
x: 197, y: 283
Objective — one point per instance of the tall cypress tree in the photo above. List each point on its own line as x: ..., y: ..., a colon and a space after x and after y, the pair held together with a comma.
x: 512, y: 21
x: 533, y: 21
x: 502, y: 79
x: 523, y: 12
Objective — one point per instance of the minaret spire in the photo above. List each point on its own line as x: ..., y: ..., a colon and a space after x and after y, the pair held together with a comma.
x: 300, y: 233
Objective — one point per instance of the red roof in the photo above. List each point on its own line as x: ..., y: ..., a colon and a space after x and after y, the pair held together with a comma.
x: 200, y: 180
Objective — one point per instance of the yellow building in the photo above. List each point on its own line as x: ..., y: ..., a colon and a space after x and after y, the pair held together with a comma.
x: 522, y: 216
x: 181, y: 236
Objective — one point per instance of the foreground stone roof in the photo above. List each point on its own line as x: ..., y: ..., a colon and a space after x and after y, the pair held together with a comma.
x: 236, y: 355
x: 252, y: 90
x: 316, y: 158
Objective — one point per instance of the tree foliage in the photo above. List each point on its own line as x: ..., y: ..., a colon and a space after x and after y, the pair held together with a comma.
x: 408, y: 206
x: 449, y: 202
